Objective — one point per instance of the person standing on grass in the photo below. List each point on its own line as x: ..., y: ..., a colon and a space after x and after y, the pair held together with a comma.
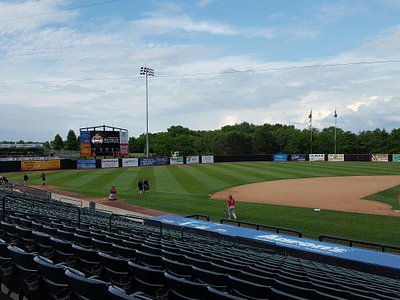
x: 230, y: 208
x: 140, y: 186
x: 43, y: 176
x: 26, y: 177
x: 146, y: 185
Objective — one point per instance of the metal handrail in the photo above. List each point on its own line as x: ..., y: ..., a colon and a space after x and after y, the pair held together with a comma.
x: 199, y: 216
x: 351, y: 242
x: 258, y: 226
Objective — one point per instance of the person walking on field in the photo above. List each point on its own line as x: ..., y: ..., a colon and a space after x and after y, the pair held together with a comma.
x: 140, y: 186
x: 26, y: 177
x: 230, y: 208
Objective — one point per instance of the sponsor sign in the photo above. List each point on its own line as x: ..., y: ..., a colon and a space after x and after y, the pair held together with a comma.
x: 396, y: 157
x: 109, y: 163
x: 298, y: 157
x: 22, y: 158
x: 176, y: 160
x: 86, y: 164
x: 335, y: 157
x: 85, y: 137
x: 123, y: 137
x: 316, y: 157
x: 124, y: 150
x: 153, y: 161
x: 86, y: 150
x: 130, y: 162
x: 280, y: 157
x: 207, y: 159
x: 21, y: 145
x: 32, y: 165
x: 192, y: 160
x: 380, y: 157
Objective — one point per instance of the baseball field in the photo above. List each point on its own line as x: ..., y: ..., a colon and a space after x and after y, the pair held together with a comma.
x: 355, y: 200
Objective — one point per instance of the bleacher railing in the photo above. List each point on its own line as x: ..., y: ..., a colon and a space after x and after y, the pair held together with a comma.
x: 260, y: 226
x: 197, y: 217
x: 355, y: 243
x: 35, y: 202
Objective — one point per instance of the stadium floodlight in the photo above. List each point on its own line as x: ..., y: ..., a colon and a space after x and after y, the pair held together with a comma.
x: 144, y: 71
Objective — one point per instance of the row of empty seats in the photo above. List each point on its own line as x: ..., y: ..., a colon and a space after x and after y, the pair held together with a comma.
x: 44, y: 257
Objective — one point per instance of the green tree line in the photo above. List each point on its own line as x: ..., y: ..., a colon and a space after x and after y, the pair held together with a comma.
x: 248, y: 138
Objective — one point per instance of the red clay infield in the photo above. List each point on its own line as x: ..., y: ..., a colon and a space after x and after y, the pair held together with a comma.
x: 332, y: 193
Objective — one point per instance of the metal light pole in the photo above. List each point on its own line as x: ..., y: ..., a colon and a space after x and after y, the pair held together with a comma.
x: 335, y: 116
x: 144, y: 71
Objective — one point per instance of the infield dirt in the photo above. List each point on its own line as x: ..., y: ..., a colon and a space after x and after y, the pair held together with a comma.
x: 332, y: 193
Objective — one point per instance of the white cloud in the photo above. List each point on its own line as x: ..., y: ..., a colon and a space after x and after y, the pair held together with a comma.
x: 52, y: 59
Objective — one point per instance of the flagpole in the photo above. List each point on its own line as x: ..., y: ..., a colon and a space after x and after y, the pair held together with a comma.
x: 311, y: 134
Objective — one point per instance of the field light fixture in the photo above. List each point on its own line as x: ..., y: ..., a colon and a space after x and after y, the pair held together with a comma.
x: 145, y: 71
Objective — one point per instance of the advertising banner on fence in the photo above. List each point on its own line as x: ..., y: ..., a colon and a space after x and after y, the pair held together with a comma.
x: 280, y: 157
x: 23, y: 158
x: 380, y: 157
x: 130, y: 162
x: 298, y: 157
x: 396, y: 157
x: 316, y: 157
x: 335, y: 157
x: 192, y: 160
x: 207, y: 159
x: 176, y: 160
x: 32, y: 165
x: 109, y: 163
x: 154, y: 161
x: 86, y: 164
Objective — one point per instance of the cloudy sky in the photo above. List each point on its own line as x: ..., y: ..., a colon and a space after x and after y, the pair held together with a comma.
x: 66, y: 64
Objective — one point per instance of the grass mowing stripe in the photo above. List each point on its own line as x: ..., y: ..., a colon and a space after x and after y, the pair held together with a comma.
x: 218, y: 173
x: 206, y: 179
x: 166, y: 181
x: 247, y: 174
x: 188, y: 181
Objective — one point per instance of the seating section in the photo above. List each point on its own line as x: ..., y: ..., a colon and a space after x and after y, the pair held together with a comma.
x: 54, y: 251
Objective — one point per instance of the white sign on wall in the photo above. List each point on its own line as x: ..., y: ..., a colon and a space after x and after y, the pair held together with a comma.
x: 192, y: 160
x: 109, y: 163
x: 130, y: 162
x: 316, y: 157
x: 207, y: 159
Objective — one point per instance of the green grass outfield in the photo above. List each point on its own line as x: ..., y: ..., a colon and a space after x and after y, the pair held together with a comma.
x: 184, y: 190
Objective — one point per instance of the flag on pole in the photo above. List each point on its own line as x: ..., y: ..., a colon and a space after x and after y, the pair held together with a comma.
x: 335, y: 115
x: 310, y: 116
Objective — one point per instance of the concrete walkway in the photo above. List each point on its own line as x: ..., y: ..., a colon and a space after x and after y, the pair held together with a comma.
x: 85, y: 203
